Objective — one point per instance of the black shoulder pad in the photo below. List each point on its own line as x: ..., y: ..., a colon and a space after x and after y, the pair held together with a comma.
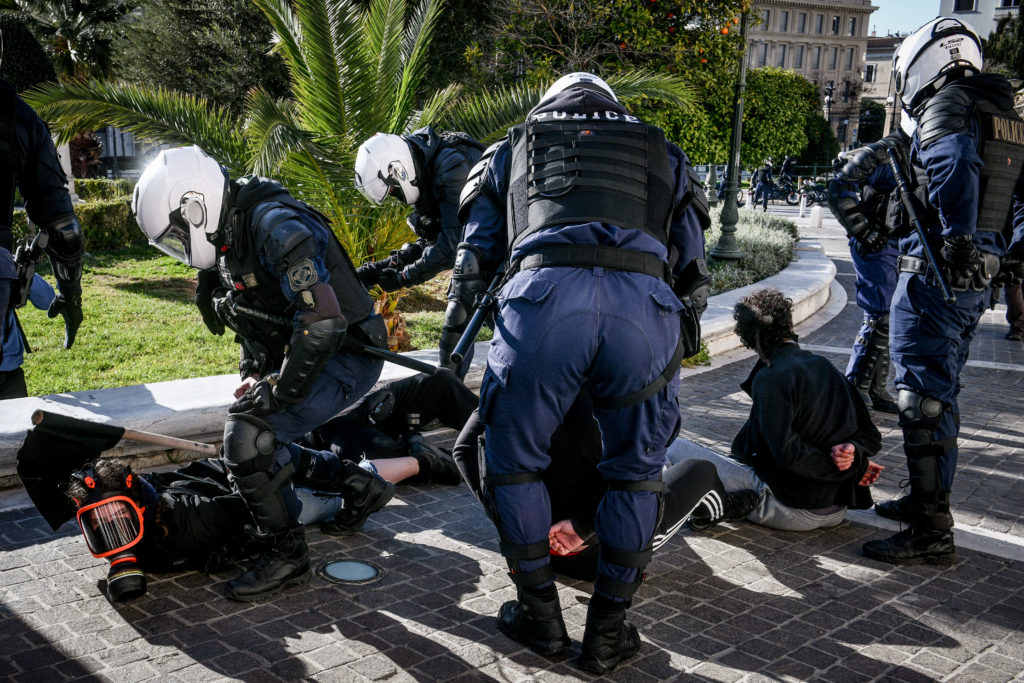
x: 282, y: 235
x: 946, y: 113
x: 696, y: 198
x: 475, y: 185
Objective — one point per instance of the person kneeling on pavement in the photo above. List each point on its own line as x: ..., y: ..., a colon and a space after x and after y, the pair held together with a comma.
x: 806, y: 446
x: 192, y: 519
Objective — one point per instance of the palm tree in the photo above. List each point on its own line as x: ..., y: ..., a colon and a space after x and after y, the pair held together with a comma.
x: 77, y: 34
x: 356, y: 69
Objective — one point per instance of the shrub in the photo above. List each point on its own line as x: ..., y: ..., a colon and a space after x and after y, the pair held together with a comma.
x: 101, y: 188
x: 767, y: 243
x: 106, y: 224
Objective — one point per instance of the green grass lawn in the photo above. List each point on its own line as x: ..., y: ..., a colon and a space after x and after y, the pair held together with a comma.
x: 140, y: 326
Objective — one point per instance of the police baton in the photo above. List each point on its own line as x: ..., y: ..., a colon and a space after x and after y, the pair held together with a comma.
x: 904, y: 188
x: 482, y: 307
x: 349, y: 344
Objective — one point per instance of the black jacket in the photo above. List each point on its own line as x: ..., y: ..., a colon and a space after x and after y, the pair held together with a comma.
x: 802, y: 407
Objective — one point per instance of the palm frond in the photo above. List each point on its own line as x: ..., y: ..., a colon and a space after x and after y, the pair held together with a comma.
x: 670, y: 89
x: 154, y: 114
x: 487, y: 115
x: 287, y: 34
x: 383, y: 33
x: 418, y: 35
x: 438, y: 105
x: 318, y: 92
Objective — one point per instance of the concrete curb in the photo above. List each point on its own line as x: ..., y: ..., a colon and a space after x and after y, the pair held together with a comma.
x: 195, y: 408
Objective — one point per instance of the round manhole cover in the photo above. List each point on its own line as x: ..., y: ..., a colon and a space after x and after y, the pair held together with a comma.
x: 350, y: 572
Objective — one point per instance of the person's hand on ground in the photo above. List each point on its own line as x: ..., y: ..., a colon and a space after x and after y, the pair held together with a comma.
x: 563, y: 538
x: 245, y: 386
x: 871, y: 474
x: 842, y: 455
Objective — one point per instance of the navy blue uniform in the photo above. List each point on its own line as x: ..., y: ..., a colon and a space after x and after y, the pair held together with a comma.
x: 560, y: 329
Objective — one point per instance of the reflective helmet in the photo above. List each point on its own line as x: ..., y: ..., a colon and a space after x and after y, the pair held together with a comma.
x: 385, y: 166
x: 578, y: 79
x: 768, y: 161
x: 178, y: 202
x: 942, y: 50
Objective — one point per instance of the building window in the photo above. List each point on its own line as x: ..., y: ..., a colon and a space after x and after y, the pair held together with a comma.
x: 819, y: 23
x: 781, y: 54
x: 801, y: 22
x: 835, y: 25
x: 798, y: 56
x: 849, y: 59
x: 762, y: 54
x: 766, y: 17
x: 783, y: 21
x: 1009, y: 3
x: 816, y: 59
x: 832, y: 54
x: 841, y: 131
x: 870, y: 73
x: 853, y: 27
x: 963, y: 5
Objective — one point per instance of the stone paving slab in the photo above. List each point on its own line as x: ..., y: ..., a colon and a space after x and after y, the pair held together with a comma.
x: 738, y: 603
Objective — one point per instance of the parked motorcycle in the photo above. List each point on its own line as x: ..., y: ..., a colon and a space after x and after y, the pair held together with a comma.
x: 816, y: 193
x: 785, y: 191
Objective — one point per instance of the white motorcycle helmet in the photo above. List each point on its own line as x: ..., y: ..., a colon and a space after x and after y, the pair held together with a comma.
x: 943, y: 49
x: 177, y: 203
x: 384, y: 166
x: 578, y: 79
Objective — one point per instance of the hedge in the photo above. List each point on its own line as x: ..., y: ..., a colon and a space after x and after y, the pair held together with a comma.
x: 101, y: 188
x: 106, y: 224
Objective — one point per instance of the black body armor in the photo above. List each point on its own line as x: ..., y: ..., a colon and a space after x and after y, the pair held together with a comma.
x: 592, y: 166
x: 1001, y: 144
x: 262, y: 216
x: 9, y: 162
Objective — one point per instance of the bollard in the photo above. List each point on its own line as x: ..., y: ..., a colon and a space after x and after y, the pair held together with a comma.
x: 815, y: 221
x: 803, y: 204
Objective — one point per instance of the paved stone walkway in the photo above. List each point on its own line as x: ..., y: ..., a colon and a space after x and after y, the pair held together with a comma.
x: 740, y: 603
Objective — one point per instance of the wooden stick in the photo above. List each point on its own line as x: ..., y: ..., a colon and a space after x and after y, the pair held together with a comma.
x: 135, y: 435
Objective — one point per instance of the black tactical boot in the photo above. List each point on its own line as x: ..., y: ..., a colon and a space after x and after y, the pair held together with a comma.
x: 535, y: 620
x: 608, y: 638
x: 928, y: 539
x: 284, y: 563
x: 880, y: 399
x: 737, y: 506
x: 436, y: 466
x: 894, y: 509
x: 364, y: 494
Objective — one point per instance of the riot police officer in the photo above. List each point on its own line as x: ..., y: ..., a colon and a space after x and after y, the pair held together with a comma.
x: 28, y: 162
x: 871, y: 220
x: 290, y: 293
x: 426, y: 170
x: 967, y: 155
x: 592, y: 214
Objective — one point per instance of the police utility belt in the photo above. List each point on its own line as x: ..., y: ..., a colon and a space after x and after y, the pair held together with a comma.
x: 611, y: 258
x: 919, y: 266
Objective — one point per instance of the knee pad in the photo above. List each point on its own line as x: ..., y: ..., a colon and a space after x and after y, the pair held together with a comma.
x: 249, y: 445
x: 918, y: 412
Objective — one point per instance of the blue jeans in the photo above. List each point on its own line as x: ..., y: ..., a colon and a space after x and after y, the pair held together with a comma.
x: 736, y: 476
x: 318, y: 506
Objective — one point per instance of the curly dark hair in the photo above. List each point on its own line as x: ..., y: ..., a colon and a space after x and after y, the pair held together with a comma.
x: 766, y: 316
x: 109, y: 475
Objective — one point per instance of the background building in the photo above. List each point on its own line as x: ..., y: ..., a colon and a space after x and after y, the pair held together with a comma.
x: 983, y: 15
x: 826, y: 42
x: 878, y: 83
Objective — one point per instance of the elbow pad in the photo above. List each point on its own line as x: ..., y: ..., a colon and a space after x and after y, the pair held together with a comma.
x: 65, y: 248
x: 309, y: 350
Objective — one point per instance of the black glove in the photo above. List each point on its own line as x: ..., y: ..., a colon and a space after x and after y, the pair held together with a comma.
x: 871, y: 241
x: 207, y: 283
x: 224, y: 308
x: 1011, y: 271
x: 391, y: 280
x: 368, y: 274
x: 69, y: 306
x: 258, y: 399
x: 962, y: 259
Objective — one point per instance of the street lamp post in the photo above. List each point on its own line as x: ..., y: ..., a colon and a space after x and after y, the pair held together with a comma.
x: 890, y: 102
x: 727, y: 249
x: 828, y: 104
